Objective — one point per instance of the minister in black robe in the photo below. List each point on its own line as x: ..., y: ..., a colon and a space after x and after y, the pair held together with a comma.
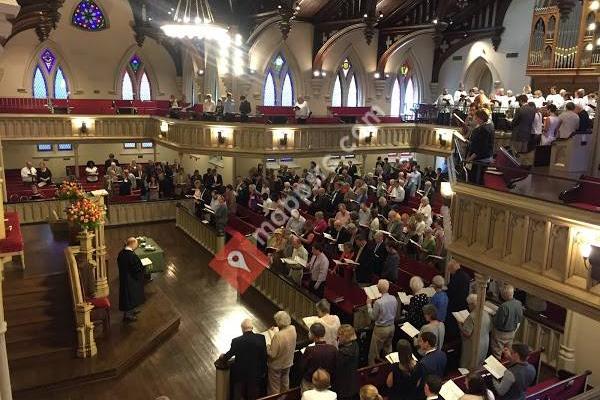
x: 131, y: 281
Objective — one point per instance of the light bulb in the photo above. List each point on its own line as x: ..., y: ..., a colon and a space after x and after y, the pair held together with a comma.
x: 589, y: 47
x: 377, y: 75
x: 594, y: 5
x: 316, y: 73
x: 592, y: 26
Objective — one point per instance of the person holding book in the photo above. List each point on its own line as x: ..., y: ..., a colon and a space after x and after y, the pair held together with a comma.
x: 298, y: 253
x: 440, y: 298
x: 467, y: 330
x: 346, y: 376
x: 391, y: 263
x: 383, y: 313
x: 319, y: 355
x: 250, y: 362
x: 476, y: 388
x: 433, y: 325
x: 407, y: 373
x: 318, y: 266
x: 518, y: 377
x: 281, y: 353
x: 320, y: 223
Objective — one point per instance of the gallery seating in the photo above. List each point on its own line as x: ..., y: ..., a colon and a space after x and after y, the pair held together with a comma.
x: 585, y: 195
x: 276, y: 114
x: 18, y: 105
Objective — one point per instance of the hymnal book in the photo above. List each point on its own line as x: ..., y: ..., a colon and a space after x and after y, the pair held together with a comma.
x: 268, y: 334
x: 308, y: 321
x: 494, y: 367
x: 349, y: 261
x: 451, y: 391
x: 208, y: 209
x: 302, y: 350
x: 341, y: 247
x: 429, y: 291
x: 490, y: 308
x: 461, y: 316
x: 373, y: 187
x: 295, y: 260
x: 146, y: 261
x: 328, y: 236
x: 372, y: 292
x: 98, y: 193
x: 415, y: 243
x: 404, y: 298
x: 409, y: 329
x: 463, y: 371
x: 385, y: 233
x: 392, y: 358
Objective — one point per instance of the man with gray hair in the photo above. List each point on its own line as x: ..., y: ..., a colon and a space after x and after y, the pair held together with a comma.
x: 250, y: 364
x: 383, y: 313
x: 506, y: 321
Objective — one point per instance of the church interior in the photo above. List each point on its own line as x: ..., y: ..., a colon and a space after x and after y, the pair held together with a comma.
x: 299, y: 199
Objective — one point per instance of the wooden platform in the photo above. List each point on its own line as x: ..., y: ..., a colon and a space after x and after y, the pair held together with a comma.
x: 182, y: 366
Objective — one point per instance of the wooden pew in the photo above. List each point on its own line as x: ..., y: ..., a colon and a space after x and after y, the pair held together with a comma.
x: 511, y: 169
x: 585, y: 195
x: 561, y: 390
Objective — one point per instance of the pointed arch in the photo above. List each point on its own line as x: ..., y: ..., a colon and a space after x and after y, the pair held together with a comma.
x: 477, y: 69
x: 352, y: 80
x: 395, y: 99
x: 336, y: 95
x: 61, y: 87
x: 145, y: 88
x: 39, y: 88
x: 127, y: 87
x: 269, y: 92
x: 287, y: 91
x: 293, y: 69
x: 124, y: 66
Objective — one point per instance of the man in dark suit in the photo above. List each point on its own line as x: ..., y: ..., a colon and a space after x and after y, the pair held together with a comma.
x: 321, y: 355
x: 131, y: 281
x: 365, y: 259
x: 458, y: 290
x: 111, y: 159
x: 216, y: 181
x: 434, y: 361
x: 336, y: 198
x: 522, y: 124
x: 250, y: 365
x: 352, y: 170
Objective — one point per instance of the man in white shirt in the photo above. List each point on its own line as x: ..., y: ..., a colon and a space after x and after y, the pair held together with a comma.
x: 229, y: 108
x: 300, y: 253
x: 28, y: 173
x: 444, y: 103
x: 302, y: 110
x: 209, y: 105
x: 569, y: 121
x: 318, y: 265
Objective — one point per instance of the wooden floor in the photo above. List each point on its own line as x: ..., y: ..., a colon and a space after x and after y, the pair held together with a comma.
x: 211, y: 312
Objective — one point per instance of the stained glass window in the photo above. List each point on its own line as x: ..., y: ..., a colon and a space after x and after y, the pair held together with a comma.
x: 395, y: 100
x: 287, y: 92
x: 135, y: 63
x: 345, y: 89
x: 336, y: 97
x: 48, y: 59
x: 127, y: 88
x: 269, y: 91
x: 410, y: 98
x: 40, y: 91
x: 278, y: 88
x: 145, y: 90
x: 89, y: 16
x: 61, y: 90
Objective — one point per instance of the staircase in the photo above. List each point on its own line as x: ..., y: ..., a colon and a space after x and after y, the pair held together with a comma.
x: 39, y: 315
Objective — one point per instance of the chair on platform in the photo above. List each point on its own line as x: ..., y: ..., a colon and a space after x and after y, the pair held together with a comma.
x: 102, y: 305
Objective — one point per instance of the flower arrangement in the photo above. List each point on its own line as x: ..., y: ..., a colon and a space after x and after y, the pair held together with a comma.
x: 85, y: 213
x: 70, y: 191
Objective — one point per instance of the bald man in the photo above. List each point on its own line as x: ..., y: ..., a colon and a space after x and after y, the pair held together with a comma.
x: 131, y: 281
x: 250, y: 365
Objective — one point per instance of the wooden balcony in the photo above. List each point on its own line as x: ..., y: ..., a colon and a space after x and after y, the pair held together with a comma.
x: 534, y: 244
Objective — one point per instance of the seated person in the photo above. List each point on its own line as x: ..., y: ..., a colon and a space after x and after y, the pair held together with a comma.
x: 28, y: 173
x: 91, y: 172
x: 35, y: 193
x: 518, y: 377
x: 44, y: 176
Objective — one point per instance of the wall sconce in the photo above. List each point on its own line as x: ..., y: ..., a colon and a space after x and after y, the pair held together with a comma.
x: 369, y: 138
x: 591, y: 260
x: 83, y: 128
x: 220, y: 138
x: 284, y: 140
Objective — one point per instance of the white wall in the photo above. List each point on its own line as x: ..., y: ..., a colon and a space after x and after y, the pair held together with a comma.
x: 586, y: 340
x: 509, y: 71
x: 92, y: 61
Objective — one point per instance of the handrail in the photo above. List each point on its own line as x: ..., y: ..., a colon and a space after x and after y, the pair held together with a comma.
x: 86, y: 344
x: 202, y: 233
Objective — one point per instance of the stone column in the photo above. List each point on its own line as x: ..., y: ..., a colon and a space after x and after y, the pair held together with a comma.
x: 481, y: 282
x: 5, y: 390
x: 76, y: 153
x: 2, y: 175
x: 566, y: 351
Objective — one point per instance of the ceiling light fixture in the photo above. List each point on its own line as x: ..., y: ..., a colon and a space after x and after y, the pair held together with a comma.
x: 194, y: 19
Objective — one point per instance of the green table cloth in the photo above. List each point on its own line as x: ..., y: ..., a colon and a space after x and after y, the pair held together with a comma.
x: 156, y: 255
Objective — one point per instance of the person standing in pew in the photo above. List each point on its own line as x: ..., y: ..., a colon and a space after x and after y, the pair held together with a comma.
x: 346, y: 377
x: 320, y: 355
x: 298, y: 251
x: 281, y: 353
x: 250, y: 364
x: 131, y: 281
x: 467, y: 329
x: 391, y: 263
x: 458, y: 290
x: 383, y: 313
x: 434, y: 359
x: 364, y: 258
x: 518, y: 377
x: 432, y: 388
x: 404, y: 380
x: 330, y: 322
x: 417, y: 302
x: 440, y: 298
x: 476, y: 388
x: 506, y: 321
x: 319, y: 267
